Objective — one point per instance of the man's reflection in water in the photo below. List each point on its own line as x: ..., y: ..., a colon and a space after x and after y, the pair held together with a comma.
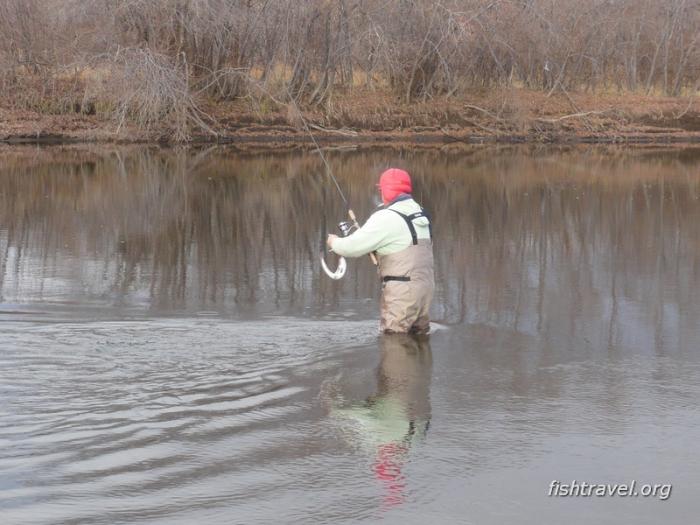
x: 398, y: 415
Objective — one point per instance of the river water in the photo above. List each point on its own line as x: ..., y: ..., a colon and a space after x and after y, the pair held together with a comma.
x: 171, y: 353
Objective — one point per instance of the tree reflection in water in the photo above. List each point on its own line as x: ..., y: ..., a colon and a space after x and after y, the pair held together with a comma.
x: 561, y: 241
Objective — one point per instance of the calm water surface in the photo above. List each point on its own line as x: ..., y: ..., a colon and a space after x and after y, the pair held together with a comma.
x: 171, y: 353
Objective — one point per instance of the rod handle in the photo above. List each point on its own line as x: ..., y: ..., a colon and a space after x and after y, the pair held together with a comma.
x: 351, y: 214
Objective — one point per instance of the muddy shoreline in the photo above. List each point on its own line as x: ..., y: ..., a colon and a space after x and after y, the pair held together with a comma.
x: 533, y: 119
x: 273, y: 138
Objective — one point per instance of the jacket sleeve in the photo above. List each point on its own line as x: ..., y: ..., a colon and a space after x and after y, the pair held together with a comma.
x: 368, y: 238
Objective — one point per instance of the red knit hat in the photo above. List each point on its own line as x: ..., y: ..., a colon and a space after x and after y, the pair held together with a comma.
x: 393, y: 182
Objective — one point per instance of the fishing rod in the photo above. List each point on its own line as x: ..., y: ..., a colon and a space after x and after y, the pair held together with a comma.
x: 344, y: 227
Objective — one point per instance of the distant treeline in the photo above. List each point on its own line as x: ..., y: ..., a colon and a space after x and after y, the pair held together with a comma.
x: 147, y: 61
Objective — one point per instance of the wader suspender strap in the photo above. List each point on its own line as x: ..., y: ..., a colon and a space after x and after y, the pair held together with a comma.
x: 409, y: 221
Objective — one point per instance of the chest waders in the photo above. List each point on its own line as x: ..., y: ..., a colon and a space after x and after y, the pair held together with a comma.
x: 408, y: 282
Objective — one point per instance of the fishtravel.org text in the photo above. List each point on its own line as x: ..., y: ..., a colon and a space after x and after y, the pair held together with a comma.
x: 584, y: 489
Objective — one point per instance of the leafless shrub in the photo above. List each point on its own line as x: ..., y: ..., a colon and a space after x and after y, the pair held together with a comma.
x: 152, y: 91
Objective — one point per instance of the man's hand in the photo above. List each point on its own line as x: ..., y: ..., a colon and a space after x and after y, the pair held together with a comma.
x: 330, y: 240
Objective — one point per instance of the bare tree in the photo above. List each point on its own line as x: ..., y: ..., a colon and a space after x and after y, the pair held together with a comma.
x: 55, y: 54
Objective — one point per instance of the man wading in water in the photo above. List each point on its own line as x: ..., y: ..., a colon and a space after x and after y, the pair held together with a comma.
x: 401, y: 235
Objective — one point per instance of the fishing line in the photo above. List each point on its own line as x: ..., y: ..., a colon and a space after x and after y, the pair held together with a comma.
x: 345, y: 228
x: 329, y: 171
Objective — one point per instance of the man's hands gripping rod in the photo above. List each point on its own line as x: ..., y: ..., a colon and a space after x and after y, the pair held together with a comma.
x: 332, y: 237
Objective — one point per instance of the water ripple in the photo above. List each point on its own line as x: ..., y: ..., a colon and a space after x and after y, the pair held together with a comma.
x: 96, y: 412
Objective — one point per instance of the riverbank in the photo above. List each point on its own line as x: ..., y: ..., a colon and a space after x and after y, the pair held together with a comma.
x: 376, y: 117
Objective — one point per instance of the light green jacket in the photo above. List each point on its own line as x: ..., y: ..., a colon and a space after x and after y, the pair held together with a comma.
x: 384, y: 232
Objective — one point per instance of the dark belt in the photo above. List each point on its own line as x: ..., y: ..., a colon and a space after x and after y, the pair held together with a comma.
x: 403, y: 278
